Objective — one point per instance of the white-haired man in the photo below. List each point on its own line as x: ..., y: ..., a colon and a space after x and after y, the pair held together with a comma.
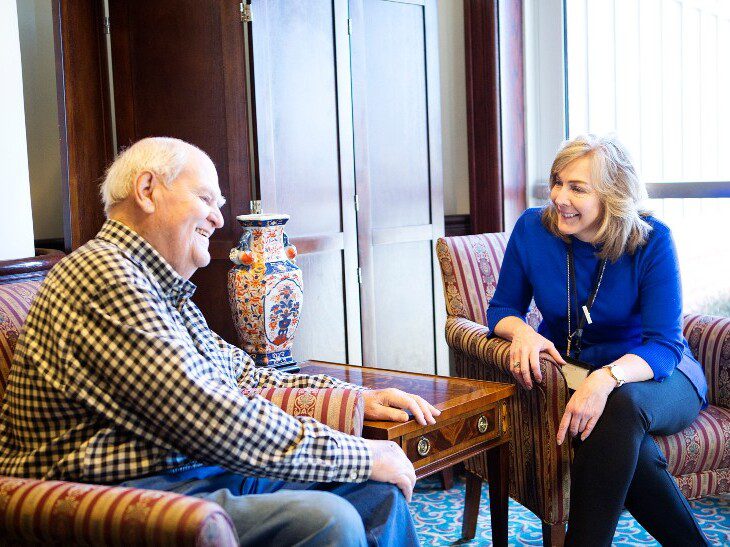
x: 117, y: 379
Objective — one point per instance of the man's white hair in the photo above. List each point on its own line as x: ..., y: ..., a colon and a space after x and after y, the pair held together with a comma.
x: 164, y: 157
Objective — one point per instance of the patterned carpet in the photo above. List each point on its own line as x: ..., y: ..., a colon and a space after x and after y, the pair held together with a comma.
x: 438, y: 519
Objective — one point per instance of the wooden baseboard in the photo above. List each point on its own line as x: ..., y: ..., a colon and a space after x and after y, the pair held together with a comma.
x: 457, y: 225
x: 50, y: 243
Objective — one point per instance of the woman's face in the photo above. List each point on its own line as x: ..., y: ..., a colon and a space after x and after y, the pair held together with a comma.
x: 579, y: 209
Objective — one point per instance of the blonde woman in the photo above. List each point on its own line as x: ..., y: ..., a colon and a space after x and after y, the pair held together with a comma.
x: 605, y: 276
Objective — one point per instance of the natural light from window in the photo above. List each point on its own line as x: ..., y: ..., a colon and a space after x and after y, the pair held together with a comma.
x: 657, y: 73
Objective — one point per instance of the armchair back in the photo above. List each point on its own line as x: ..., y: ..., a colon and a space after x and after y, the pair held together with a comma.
x: 19, y: 282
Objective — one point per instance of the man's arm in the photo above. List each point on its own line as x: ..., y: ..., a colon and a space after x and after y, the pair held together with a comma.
x: 143, y: 373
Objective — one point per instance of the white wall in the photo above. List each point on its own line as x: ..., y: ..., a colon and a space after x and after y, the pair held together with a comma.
x: 453, y: 107
x: 35, y: 22
x: 16, y: 226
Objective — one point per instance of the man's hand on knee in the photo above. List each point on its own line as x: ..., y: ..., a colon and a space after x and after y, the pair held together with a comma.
x: 390, y: 464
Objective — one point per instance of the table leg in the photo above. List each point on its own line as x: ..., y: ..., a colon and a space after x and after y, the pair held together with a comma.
x: 497, y: 469
x: 471, y: 505
x: 447, y: 478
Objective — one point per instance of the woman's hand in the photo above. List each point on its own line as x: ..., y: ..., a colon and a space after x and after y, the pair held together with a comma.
x: 586, y: 405
x: 524, y: 354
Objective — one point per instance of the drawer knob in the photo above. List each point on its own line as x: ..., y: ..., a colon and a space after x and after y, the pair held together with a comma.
x: 424, y: 446
x: 482, y: 424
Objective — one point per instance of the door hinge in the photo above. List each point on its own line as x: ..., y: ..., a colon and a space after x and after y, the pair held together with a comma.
x: 106, y: 25
x: 349, y: 27
x: 357, y: 203
x: 359, y: 276
x: 246, y: 15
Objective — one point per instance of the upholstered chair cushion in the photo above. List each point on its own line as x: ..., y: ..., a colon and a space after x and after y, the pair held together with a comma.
x: 699, y: 455
x: 65, y: 513
x: 341, y: 409
x: 15, y: 300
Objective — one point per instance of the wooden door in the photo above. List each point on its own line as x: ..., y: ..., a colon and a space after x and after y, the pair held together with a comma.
x: 179, y: 71
x: 398, y: 171
x: 303, y: 114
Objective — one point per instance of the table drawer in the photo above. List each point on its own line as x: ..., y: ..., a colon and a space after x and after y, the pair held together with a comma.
x: 454, y: 435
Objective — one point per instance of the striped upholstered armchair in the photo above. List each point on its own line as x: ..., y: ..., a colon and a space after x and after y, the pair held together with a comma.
x: 698, y: 457
x: 66, y: 513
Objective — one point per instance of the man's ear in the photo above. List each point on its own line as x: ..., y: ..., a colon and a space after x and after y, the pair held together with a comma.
x: 145, y: 186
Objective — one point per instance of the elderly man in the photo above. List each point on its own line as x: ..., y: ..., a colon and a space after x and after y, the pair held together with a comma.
x: 117, y: 379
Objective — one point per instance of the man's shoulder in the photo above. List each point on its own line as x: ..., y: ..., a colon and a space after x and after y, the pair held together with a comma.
x: 97, y: 265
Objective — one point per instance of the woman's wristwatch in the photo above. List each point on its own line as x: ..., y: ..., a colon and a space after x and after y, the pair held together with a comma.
x: 616, y: 373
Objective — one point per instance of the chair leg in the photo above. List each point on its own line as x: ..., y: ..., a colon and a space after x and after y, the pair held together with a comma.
x: 471, y: 505
x: 553, y: 535
x: 497, y: 474
x: 447, y: 478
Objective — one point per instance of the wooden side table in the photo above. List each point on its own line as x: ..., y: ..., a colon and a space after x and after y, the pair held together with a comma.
x: 473, y: 419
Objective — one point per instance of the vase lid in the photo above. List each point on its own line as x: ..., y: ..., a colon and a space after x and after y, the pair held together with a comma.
x: 270, y: 219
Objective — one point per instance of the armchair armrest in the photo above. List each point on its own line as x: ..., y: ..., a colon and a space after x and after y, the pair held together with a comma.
x: 709, y: 339
x: 534, y: 415
x: 339, y: 408
x: 63, y: 513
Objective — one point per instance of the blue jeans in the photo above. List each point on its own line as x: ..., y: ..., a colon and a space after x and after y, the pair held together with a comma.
x: 275, y: 512
x: 619, y: 465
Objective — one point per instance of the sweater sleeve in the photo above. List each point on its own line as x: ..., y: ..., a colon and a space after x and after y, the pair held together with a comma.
x: 660, y: 300
x: 514, y: 290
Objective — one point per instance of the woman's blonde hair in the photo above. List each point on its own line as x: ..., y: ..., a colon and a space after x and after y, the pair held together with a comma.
x: 620, y: 191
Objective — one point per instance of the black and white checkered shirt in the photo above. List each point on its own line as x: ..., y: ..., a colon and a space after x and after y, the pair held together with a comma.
x: 116, y: 375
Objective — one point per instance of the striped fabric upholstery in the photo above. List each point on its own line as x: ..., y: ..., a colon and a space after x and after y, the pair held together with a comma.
x: 341, y: 409
x: 698, y: 457
x: 709, y: 340
x: 15, y: 299
x: 53, y: 512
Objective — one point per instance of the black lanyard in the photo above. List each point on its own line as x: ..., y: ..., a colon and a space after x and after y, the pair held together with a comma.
x: 574, y: 338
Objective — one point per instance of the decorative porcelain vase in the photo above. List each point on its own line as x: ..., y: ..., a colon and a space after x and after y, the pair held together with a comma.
x: 265, y: 290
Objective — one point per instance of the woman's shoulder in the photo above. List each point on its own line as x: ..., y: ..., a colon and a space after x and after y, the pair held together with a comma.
x: 529, y: 230
x: 531, y: 220
x: 659, y: 230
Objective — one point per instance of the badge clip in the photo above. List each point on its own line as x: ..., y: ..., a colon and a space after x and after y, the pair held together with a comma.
x: 587, y: 314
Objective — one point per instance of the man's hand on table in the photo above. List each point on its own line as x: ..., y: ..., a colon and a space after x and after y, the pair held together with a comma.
x: 390, y: 405
x: 390, y: 464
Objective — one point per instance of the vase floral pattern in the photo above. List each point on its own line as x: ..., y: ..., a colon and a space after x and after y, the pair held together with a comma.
x: 265, y: 290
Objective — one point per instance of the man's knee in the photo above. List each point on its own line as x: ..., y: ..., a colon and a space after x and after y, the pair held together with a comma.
x: 325, y: 518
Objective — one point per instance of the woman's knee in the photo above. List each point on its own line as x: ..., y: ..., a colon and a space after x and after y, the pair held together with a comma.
x: 626, y: 404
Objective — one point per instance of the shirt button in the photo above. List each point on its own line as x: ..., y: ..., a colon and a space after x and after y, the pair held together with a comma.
x: 353, y: 476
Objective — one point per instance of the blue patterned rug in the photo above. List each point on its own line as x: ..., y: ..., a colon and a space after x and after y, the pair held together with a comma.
x: 438, y: 516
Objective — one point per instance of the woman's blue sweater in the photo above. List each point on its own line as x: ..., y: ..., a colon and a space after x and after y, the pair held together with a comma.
x: 638, y: 308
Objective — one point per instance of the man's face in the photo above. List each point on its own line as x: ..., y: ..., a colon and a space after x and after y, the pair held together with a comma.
x: 186, y: 214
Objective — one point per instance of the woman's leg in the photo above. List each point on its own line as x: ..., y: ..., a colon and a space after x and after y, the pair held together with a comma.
x: 655, y: 501
x: 604, y: 464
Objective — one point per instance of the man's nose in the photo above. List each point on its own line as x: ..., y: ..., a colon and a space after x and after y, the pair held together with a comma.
x: 216, y: 218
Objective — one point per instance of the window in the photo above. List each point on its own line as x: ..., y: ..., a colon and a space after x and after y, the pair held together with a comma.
x: 657, y: 73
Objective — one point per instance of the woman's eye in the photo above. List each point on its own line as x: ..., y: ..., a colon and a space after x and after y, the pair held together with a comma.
x: 578, y: 190
x: 206, y: 199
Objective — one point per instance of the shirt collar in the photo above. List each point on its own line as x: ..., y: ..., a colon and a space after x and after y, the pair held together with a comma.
x: 146, y: 256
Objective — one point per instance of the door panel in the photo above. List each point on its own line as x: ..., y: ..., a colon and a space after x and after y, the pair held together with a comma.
x: 321, y: 326
x: 395, y: 73
x: 398, y: 169
x: 304, y: 139
x: 404, y: 323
